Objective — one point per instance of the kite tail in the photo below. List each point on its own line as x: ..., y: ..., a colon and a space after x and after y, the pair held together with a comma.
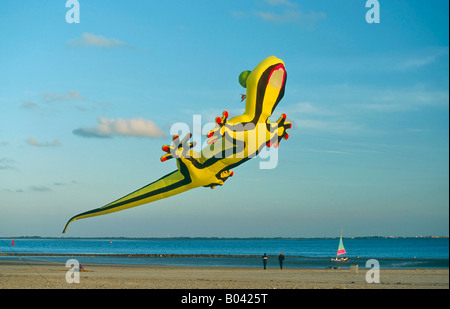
x: 171, y: 184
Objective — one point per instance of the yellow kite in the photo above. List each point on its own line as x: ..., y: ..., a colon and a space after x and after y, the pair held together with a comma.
x: 231, y: 143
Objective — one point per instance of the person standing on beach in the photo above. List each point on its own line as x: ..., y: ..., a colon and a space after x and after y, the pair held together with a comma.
x: 281, y: 260
x: 264, y: 257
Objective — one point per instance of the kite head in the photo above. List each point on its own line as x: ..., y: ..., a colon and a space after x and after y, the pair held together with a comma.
x: 243, y: 78
x: 265, y: 88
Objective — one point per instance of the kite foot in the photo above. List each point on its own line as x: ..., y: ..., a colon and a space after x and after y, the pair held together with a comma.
x: 219, y: 130
x: 178, y: 148
x: 280, y: 129
x: 222, y: 178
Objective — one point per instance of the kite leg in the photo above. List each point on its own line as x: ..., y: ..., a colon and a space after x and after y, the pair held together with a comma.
x: 171, y: 184
x: 277, y: 131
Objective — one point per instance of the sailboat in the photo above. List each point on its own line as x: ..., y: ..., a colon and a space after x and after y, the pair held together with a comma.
x: 340, y: 251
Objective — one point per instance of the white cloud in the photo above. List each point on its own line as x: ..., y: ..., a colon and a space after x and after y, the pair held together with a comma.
x: 406, y: 99
x: 238, y: 14
x: 35, y: 143
x: 284, y: 11
x: 308, y: 108
x: 416, y: 62
x: 422, y: 58
x: 313, y: 117
x: 288, y: 16
x: 292, y: 16
x: 93, y: 40
x: 72, y: 98
x: 392, y: 62
x: 29, y: 105
x: 136, y: 127
x: 279, y: 2
x: 39, y: 188
x: 329, y: 126
x: 69, y: 95
x: 339, y: 152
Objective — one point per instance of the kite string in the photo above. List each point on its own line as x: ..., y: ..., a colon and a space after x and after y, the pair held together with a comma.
x: 20, y: 258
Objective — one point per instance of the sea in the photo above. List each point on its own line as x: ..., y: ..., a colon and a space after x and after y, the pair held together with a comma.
x: 388, y: 252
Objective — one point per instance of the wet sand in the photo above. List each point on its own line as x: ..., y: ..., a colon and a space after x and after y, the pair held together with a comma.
x: 48, y: 275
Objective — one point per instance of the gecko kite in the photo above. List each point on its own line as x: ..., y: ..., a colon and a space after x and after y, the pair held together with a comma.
x: 231, y: 142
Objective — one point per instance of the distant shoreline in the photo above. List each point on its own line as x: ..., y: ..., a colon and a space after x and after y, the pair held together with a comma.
x: 134, y: 255
x: 222, y: 238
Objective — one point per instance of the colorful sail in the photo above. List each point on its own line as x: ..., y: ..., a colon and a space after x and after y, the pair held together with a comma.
x: 341, y: 249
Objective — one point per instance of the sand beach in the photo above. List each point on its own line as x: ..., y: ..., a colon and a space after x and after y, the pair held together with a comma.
x: 49, y: 275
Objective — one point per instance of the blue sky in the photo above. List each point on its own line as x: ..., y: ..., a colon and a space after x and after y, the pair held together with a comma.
x: 368, y: 152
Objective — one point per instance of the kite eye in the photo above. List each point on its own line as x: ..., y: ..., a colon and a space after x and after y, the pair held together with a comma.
x: 243, y: 78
